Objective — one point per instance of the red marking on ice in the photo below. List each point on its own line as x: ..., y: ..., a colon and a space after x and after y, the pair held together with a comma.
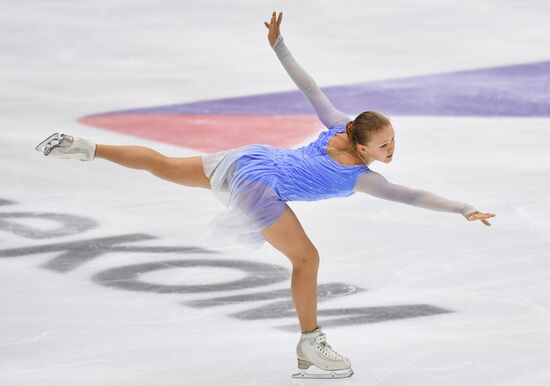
x: 211, y: 133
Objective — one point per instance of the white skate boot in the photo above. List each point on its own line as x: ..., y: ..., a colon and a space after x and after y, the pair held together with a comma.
x: 68, y: 147
x: 313, y: 350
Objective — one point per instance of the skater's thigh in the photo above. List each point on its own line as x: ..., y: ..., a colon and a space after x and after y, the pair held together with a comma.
x: 288, y: 236
x: 185, y: 171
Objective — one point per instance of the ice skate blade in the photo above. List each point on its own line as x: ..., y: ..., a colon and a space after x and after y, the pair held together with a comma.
x: 50, y: 143
x: 321, y: 374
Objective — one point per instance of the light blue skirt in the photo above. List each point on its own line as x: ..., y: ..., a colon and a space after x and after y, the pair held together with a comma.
x: 245, y: 181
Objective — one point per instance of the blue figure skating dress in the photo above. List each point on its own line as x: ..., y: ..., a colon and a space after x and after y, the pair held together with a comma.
x: 255, y: 181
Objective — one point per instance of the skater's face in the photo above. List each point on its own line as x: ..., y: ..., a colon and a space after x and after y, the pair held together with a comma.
x: 380, y: 146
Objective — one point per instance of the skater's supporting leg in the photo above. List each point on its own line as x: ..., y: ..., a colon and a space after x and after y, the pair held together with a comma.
x: 185, y: 171
x: 288, y: 236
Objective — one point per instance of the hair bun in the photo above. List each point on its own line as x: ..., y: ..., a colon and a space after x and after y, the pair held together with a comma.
x: 349, y: 128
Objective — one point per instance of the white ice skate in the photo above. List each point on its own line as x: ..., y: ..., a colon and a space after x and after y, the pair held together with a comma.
x: 313, y: 350
x: 68, y: 147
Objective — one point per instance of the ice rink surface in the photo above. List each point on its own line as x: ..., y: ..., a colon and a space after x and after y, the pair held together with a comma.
x: 108, y: 275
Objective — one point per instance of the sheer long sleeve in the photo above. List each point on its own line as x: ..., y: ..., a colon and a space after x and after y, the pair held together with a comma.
x: 327, y: 113
x: 376, y: 185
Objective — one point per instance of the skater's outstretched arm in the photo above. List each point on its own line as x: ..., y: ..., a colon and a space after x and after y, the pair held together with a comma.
x: 376, y: 185
x: 327, y: 113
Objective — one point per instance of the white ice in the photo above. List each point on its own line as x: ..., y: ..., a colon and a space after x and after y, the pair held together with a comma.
x: 61, y: 60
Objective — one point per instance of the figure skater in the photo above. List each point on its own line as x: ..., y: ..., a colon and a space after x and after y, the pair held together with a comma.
x: 255, y: 182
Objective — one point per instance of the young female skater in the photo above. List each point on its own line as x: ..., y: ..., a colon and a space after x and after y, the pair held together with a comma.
x: 256, y: 181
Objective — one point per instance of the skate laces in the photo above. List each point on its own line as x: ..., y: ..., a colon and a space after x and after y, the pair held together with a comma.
x: 326, y: 349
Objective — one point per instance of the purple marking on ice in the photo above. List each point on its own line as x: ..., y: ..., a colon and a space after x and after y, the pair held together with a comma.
x: 517, y: 90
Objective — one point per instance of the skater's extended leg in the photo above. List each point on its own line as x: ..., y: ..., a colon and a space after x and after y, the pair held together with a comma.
x: 288, y: 236
x: 185, y: 170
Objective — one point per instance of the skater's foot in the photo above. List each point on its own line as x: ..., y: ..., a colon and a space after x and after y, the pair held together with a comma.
x: 314, y: 351
x: 67, y: 147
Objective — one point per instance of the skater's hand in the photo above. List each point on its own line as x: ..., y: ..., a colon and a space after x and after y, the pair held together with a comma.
x: 273, y: 27
x: 480, y: 216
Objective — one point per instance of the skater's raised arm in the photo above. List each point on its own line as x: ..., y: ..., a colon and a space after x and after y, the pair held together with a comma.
x: 376, y: 185
x: 327, y: 113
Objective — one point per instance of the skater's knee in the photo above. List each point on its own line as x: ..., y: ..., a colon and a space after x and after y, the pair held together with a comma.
x: 306, y: 260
